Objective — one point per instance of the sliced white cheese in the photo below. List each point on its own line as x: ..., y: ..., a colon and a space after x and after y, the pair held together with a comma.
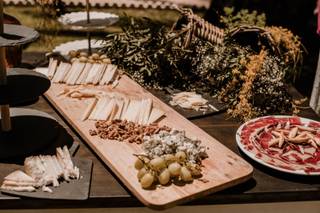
x: 125, y: 107
x: 133, y: 111
x: 84, y: 74
x: 147, y: 111
x: 92, y: 73
x: 53, y: 64
x: 107, y: 110
x: 100, y: 73
x: 62, y: 69
x: 74, y: 75
x: 129, y: 110
x: 108, y: 75
x: 89, y: 109
x: 120, y: 106
x: 99, y: 106
x: 155, y: 115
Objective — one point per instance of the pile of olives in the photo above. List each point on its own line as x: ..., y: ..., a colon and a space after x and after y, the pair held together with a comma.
x: 165, y: 169
x: 84, y: 58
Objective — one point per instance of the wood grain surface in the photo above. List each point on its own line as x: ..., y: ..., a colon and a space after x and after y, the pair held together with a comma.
x: 223, y: 168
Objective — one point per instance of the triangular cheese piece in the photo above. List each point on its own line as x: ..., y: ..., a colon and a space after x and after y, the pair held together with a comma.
x: 108, y: 74
x: 53, y: 64
x: 125, y: 108
x: 19, y: 176
x: 74, y: 75
x: 89, y: 109
x: 107, y: 110
x: 155, y: 115
x: 84, y: 74
x: 100, y: 73
x: 120, y: 106
x: 99, y: 106
x: 147, y: 111
x: 92, y: 73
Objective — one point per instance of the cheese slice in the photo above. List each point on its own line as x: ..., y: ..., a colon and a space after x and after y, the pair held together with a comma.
x: 107, y: 110
x: 108, y: 75
x: 84, y: 74
x: 89, y: 109
x: 99, y: 106
x: 100, y: 114
x: 155, y: 115
x: 15, y: 184
x: 126, y: 103
x: 19, y: 188
x: 115, y: 109
x: 92, y: 73
x: 133, y: 110
x: 62, y: 69
x: 19, y: 176
x: 147, y: 111
x: 120, y: 106
x: 53, y: 64
x: 100, y: 73
x: 75, y: 73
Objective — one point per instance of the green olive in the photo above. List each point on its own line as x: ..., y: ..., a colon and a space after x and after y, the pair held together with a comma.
x: 147, y: 180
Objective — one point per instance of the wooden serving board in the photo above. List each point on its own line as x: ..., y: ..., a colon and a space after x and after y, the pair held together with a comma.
x: 222, y: 169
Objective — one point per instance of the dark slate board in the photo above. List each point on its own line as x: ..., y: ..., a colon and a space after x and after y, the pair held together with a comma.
x: 22, y: 86
x: 32, y: 132
x: 74, y: 190
x: 190, y: 114
x: 17, y: 35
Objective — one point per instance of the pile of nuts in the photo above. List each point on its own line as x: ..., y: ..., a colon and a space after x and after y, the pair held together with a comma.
x: 122, y: 130
x: 85, y: 58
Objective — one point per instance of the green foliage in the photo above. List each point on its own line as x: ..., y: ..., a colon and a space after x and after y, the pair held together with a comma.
x: 232, y: 20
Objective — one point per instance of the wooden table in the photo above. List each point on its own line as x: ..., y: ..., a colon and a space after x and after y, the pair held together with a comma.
x: 107, y: 191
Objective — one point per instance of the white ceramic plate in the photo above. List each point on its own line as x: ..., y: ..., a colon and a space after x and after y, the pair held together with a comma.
x: 253, y: 155
x: 78, y: 20
x: 65, y: 48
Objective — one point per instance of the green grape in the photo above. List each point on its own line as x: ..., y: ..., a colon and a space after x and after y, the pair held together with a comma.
x: 174, y: 169
x: 147, y: 180
x: 164, y: 177
x: 83, y: 54
x: 141, y: 173
x: 170, y: 158
x: 138, y: 164
x: 158, y: 164
x: 181, y: 156
x: 186, y: 174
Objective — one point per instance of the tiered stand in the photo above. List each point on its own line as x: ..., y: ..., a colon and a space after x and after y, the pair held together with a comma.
x: 23, y: 131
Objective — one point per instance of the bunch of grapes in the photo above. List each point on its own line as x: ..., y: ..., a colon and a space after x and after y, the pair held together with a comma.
x: 166, y: 169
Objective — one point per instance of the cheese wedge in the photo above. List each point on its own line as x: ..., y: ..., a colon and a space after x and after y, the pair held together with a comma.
x: 109, y: 74
x: 84, y: 74
x: 101, y: 104
x: 62, y: 69
x: 92, y: 73
x: 53, y: 64
x: 126, y: 103
x: 89, y: 109
x: 19, y: 188
x: 107, y: 110
x: 19, y: 176
x: 155, y: 115
x: 120, y: 106
x: 100, y: 73
x: 75, y: 73
x: 147, y: 111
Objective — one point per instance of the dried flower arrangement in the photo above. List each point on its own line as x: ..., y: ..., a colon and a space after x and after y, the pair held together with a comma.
x: 245, y: 64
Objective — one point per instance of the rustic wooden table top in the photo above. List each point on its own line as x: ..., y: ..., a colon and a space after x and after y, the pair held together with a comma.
x: 106, y: 190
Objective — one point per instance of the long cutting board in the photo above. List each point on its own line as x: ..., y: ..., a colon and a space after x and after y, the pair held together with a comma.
x: 222, y: 169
